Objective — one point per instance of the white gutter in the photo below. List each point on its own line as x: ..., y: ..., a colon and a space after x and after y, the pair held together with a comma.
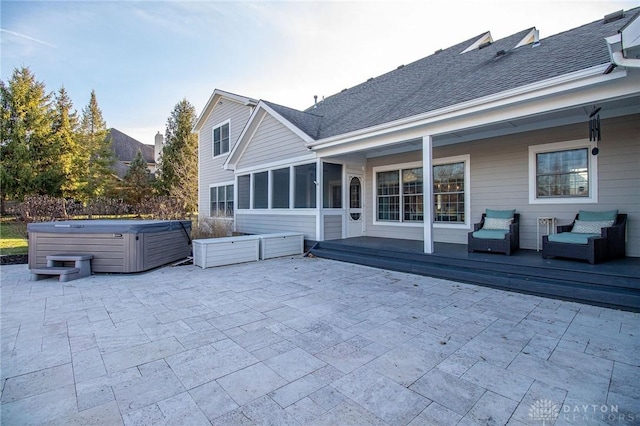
x: 616, y: 52
x: 620, y: 45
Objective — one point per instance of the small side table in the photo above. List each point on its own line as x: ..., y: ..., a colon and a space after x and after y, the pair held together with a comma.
x: 549, y: 223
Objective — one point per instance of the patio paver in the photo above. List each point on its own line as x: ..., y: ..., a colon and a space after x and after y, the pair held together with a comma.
x: 307, y: 341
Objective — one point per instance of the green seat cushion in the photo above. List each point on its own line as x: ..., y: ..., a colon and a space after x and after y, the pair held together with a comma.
x: 490, y: 234
x: 500, y: 214
x: 571, y: 238
x: 606, y: 215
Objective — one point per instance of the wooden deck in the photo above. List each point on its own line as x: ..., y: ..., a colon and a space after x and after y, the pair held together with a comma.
x: 614, y: 284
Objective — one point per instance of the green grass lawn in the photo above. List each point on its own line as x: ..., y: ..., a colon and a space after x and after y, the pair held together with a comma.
x: 13, y: 237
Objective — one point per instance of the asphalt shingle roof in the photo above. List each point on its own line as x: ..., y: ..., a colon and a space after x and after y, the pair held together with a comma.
x: 448, y: 77
x: 125, y: 148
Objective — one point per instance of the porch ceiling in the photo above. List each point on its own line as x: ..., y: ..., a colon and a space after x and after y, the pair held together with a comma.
x: 580, y: 114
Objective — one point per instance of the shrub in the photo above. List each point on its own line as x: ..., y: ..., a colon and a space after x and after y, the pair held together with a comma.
x: 42, y: 208
x: 212, y: 227
x: 163, y: 208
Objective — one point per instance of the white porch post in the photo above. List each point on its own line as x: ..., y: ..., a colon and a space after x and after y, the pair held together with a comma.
x: 427, y: 191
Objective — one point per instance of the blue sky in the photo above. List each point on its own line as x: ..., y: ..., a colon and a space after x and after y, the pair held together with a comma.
x: 143, y: 57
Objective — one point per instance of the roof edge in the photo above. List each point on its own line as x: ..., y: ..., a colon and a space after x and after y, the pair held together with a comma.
x: 474, y: 105
x: 213, y: 100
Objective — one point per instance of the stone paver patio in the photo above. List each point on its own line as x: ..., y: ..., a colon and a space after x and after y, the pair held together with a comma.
x: 307, y: 341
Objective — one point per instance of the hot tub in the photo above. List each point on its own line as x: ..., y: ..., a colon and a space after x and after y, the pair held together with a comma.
x: 116, y: 245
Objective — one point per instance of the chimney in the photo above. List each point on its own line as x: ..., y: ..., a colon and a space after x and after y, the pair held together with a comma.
x: 159, y: 141
x: 315, y: 101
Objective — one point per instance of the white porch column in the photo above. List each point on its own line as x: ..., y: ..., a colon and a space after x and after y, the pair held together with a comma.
x: 427, y: 191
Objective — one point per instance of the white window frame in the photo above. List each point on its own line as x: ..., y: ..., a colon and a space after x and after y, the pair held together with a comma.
x: 275, y: 166
x: 466, y: 159
x: 213, y: 144
x: 235, y: 195
x: 564, y: 146
x: 398, y: 168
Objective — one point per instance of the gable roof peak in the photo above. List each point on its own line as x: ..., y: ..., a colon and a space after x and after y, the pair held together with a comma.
x: 482, y: 41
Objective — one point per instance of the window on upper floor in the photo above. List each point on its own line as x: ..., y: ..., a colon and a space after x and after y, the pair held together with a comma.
x: 562, y: 172
x: 221, y: 139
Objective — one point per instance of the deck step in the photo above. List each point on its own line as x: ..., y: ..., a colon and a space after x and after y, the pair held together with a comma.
x: 604, y: 289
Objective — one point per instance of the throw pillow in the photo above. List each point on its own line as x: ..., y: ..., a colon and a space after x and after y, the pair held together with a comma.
x: 590, y: 226
x: 496, y: 223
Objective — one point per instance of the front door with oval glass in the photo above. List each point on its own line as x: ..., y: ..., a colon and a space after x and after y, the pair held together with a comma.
x: 354, y: 211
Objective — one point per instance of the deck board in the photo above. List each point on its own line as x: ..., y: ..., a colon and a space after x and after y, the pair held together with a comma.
x: 615, y: 283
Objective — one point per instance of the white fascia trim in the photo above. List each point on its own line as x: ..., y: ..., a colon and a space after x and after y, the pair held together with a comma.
x: 302, y: 135
x: 530, y: 38
x: 484, y: 38
x: 544, y: 88
x: 616, y: 52
x: 285, y: 212
x: 240, y: 145
x: 244, y: 139
x: 296, y: 161
x: 209, y: 106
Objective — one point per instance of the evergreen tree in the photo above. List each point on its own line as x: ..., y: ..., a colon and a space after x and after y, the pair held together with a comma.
x: 28, y: 154
x: 65, y: 130
x: 137, y: 180
x: 98, y: 158
x: 178, y: 171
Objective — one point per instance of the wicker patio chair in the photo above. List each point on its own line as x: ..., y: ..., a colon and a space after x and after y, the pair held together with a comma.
x: 492, y: 240
x: 610, y: 244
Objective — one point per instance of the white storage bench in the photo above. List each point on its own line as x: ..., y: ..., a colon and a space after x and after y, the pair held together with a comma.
x: 281, y: 244
x: 212, y: 252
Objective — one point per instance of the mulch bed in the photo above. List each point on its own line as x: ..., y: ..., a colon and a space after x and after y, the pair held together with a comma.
x: 14, y: 259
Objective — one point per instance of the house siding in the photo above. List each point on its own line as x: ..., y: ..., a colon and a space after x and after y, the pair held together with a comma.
x: 271, y: 142
x: 499, y: 180
x: 249, y: 223
x: 211, y: 171
x: 332, y: 227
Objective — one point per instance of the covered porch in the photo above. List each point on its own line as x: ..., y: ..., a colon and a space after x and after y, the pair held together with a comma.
x: 614, y: 284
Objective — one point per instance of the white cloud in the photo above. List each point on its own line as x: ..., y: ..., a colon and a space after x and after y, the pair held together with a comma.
x: 27, y: 37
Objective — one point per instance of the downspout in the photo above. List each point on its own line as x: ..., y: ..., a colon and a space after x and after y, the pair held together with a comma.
x: 616, y: 52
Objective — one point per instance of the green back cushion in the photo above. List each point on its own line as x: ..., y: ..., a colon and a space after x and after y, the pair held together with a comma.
x: 500, y: 214
x: 607, y: 215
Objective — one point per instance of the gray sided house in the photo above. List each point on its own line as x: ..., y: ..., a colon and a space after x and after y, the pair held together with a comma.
x: 499, y: 124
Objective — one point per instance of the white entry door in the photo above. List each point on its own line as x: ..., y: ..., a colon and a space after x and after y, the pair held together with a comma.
x: 355, y: 209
